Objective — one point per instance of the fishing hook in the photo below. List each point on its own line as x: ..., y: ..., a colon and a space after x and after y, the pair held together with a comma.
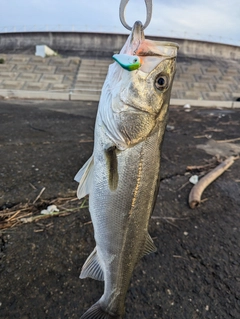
x: 122, y: 13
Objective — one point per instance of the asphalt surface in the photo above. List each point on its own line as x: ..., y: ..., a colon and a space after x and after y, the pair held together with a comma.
x: 196, y: 271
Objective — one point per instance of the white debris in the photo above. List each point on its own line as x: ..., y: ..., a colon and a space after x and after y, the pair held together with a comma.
x: 170, y: 127
x: 193, y: 179
x: 50, y: 209
x: 44, y: 212
x: 44, y: 51
x: 187, y: 106
x: 26, y: 220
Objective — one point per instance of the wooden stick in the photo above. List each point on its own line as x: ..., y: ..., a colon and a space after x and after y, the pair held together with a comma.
x: 14, y: 215
x: 229, y: 141
x: 197, y: 190
x: 39, y: 195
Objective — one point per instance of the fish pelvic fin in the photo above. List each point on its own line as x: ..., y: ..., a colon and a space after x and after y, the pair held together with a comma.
x: 92, y: 267
x: 149, y: 246
x: 96, y: 312
x: 84, y: 177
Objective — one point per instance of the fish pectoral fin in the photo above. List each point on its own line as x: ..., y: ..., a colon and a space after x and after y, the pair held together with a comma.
x: 96, y: 312
x: 92, y: 267
x: 149, y: 246
x: 84, y: 177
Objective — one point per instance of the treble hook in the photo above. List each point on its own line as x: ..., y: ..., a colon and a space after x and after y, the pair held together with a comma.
x: 122, y: 11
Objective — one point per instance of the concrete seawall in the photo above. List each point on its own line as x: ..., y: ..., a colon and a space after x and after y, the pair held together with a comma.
x: 106, y: 44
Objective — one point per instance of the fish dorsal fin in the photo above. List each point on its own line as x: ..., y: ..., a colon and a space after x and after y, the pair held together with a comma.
x: 92, y: 267
x: 149, y: 246
x: 84, y: 177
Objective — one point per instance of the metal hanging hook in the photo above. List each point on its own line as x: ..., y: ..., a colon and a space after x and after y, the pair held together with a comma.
x: 122, y: 8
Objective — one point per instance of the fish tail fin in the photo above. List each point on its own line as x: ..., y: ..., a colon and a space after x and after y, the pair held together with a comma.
x: 96, y: 312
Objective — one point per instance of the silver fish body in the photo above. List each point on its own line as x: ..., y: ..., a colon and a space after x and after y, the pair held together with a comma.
x: 122, y: 176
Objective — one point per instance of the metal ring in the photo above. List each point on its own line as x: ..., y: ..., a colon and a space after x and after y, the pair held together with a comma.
x: 122, y: 8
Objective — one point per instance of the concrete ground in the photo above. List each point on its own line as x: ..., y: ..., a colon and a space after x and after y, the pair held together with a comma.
x: 195, y: 271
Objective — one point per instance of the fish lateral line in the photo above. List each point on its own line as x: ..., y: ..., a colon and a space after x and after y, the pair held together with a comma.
x: 138, y: 179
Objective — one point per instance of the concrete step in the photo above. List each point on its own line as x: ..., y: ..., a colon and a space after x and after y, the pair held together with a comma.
x: 90, y: 86
x: 88, y: 75
x: 90, y: 80
x: 199, y: 80
x: 94, y: 70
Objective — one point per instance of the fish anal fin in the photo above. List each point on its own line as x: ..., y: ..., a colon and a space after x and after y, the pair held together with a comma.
x: 149, y: 246
x: 96, y: 312
x: 92, y: 267
x: 84, y: 177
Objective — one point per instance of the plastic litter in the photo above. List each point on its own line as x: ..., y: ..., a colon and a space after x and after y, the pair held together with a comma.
x: 193, y: 179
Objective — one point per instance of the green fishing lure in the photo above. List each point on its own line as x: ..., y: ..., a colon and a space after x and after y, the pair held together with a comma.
x: 128, y: 62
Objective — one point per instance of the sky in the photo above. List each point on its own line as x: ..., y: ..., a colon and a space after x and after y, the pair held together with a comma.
x: 209, y: 20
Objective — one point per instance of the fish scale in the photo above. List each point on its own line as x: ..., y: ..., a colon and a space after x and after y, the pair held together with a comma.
x: 122, y: 175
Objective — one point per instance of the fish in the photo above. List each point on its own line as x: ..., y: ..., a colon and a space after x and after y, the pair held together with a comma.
x: 122, y: 175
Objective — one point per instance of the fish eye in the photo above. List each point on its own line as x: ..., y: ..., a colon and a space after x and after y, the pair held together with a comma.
x: 161, y: 82
x: 135, y: 60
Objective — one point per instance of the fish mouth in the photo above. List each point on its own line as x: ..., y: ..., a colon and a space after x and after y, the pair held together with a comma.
x: 137, y: 36
x: 134, y: 109
x: 141, y: 47
x: 137, y: 32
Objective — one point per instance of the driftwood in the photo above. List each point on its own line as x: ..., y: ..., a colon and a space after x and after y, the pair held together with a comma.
x: 229, y: 141
x: 197, y: 190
